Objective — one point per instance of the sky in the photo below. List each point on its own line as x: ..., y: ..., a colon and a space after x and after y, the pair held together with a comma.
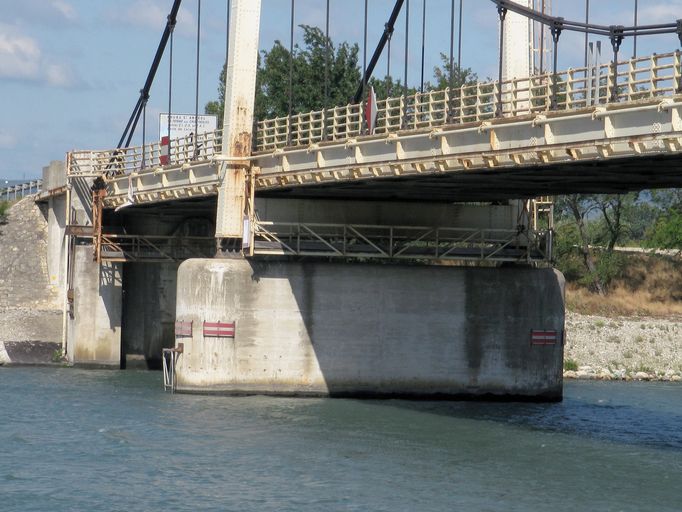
x: 71, y: 70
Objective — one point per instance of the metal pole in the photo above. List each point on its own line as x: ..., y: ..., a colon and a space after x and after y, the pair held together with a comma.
x: 196, y: 99
x: 556, y: 33
x: 144, y: 136
x: 421, y: 88
x: 502, y: 11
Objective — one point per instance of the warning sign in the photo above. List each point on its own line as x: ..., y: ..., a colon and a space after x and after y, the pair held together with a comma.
x: 182, y: 125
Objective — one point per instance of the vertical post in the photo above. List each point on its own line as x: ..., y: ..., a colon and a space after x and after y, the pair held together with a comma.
x: 502, y: 11
x: 143, y: 163
x: 240, y: 86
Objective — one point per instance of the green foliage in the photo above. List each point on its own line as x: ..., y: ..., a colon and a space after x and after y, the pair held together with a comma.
x: 570, y: 365
x: 667, y: 232
x: 4, y: 209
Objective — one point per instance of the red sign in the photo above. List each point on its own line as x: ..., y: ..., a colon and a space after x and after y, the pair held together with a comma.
x: 219, y: 329
x: 541, y: 337
x: 164, y: 157
x: 183, y: 329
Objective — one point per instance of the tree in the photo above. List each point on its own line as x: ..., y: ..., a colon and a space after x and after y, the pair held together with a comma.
x: 272, y: 88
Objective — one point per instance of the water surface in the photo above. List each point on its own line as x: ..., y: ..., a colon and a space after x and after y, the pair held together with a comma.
x: 107, y: 441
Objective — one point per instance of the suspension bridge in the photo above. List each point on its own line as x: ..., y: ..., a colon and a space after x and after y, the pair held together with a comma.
x: 458, y: 175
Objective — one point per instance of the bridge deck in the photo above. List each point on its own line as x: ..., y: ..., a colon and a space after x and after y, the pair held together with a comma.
x: 442, y: 145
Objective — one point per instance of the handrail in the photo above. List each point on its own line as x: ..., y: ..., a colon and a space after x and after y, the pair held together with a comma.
x: 636, y: 79
x: 21, y: 190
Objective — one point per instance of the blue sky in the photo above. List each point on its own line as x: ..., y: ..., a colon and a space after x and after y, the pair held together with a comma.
x: 71, y: 70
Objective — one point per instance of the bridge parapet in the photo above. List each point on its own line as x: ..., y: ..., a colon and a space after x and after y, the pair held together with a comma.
x: 636, y: 79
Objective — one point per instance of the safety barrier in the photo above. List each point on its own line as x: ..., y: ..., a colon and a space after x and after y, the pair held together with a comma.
x: 21, y: 190
x: 635, y: 79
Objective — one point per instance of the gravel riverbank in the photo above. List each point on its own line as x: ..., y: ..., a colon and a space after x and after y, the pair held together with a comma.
x: 623, y: 348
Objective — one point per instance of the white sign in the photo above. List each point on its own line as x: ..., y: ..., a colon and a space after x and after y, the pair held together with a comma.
x: 182, y: 125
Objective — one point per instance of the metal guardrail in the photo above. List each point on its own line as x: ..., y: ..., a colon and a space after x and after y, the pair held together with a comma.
x: 148, y: 249
x: 401, y: 242
x: 21, y: 190
x: 113, y: 162
x: 635, y: 79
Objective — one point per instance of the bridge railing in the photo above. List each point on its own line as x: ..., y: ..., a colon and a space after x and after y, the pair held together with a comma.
x: 113, y: 162
x: 400, y: 242
x: 631, y: 80
x: 21, y: 190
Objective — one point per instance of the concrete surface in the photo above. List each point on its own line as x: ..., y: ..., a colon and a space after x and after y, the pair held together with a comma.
x: 94, y: 334
x: 370, y: 330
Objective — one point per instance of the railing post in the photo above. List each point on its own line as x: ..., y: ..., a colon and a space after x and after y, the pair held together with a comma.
x: 677, y: 72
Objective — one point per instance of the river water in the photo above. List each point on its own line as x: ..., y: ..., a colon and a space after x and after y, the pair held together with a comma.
x: 74, y: 440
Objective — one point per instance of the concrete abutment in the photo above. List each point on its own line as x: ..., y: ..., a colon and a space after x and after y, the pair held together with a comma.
x: 317, y: 328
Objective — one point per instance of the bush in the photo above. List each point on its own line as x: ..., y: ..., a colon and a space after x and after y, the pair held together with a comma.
x: 4, y: 208
x: 570, y: 365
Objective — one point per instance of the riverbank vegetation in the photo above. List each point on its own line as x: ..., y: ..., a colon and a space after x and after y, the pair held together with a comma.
x: 621, y: 254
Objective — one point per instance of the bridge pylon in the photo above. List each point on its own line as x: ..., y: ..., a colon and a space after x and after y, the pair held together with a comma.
x: 240, y: 85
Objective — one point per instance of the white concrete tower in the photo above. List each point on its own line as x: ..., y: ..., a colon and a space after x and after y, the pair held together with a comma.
x: 517, y: 51
x: 518, y: 44
x: 240, y: 88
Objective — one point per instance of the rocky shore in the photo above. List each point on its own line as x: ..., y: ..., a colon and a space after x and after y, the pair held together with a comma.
x: 30, y: 314
x: 623, y: 348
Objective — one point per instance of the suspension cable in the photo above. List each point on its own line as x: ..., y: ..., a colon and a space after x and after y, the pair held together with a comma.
x: 459, y: 43
x: 364, y: 58
x: 452, y: 46
x: 407, y: 43
x: 196, y: 99
x: 421, y: 88
x: 326, y: 59
x: 291, y: 72
x: 388, y: 30
x: 170, y: 93
x: 144, y: 92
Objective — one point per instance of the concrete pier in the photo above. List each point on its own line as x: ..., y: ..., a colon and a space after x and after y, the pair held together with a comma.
x: 369, y: 330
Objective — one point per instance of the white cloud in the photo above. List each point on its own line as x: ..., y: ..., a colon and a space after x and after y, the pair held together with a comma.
x: 7, y: 140
x: 52, y: 13
x: 153, y: 14
x: 666, y: 12
x: 21, y: 58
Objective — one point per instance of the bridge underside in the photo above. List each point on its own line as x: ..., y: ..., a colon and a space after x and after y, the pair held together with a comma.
x: 602, y: 176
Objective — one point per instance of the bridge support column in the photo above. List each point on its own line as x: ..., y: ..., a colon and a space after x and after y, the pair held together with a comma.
x: 369, y: 330
x: 94, y: 322
x: 240, y: 86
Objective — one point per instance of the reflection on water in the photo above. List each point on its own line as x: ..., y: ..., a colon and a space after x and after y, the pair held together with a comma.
x: 79, y: 440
